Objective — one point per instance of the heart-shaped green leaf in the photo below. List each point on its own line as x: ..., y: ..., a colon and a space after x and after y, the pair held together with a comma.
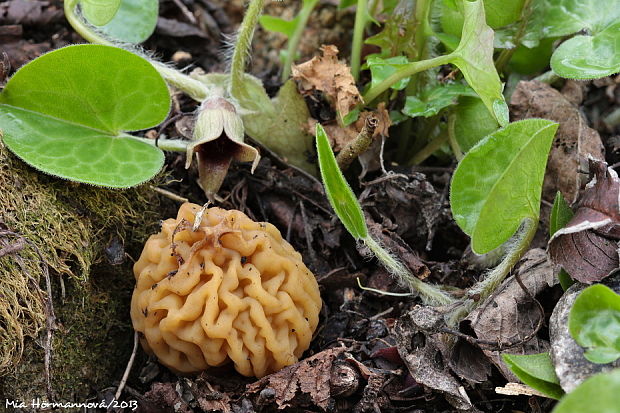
x: 134, y: 21
x: 65, y: 113
x: 499, y: 181
x: 593, y: 52
x: 589, y: 57
x: 99, y: 12
x: 474, y: 56
x: 594, y: 323
x: 537, y: 371
x: 338, y: 191
x: 598, y: 394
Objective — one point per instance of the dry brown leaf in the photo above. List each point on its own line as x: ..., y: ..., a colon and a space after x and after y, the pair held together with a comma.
x: 328, y: 75
x: 309, y: 378
x: 509, y: 315
x: 573, y: 141
x: 587, y: 247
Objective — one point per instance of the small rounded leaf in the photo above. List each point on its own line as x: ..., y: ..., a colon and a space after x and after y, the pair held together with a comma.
x: 65, y: 112
x: 498, y: 183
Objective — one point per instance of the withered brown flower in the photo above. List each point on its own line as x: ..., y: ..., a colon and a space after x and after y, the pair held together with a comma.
x: 218, y: 138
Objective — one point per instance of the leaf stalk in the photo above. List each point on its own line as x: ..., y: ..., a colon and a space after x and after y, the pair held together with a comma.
x: 429, y: 293
x: 478, y: 293
x: 293, y: 42
x: 242, y: 46
x: 194, y: 88
x: 358, y: 37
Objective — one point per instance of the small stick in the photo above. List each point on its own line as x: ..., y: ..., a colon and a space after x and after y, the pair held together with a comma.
x: 359, y: 145
x: 121, y: 385
x: 169, y: 194
x: 185, y: 11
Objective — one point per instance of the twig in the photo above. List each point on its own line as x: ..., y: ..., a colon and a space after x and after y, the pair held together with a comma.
x: 169, y: 194
x: 185, y: 11
x: 121, y: 385
x: 359, y: 145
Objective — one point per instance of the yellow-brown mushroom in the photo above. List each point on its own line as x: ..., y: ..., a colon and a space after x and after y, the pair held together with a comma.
x: 226, y: 289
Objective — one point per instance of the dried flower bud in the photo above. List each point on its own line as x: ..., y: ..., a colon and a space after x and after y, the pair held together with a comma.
x: 218, y: 139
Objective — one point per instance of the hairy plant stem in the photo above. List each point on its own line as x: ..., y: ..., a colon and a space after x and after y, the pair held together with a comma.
x: 194, y: 88
x: 429, y: 294
x: 484, y: 288
x: 293, y: 42
x: 358, y: 37
x: 242, y: 47
x: 410, y: 69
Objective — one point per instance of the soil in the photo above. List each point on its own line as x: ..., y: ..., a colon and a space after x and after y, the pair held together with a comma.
x: 361, y: 357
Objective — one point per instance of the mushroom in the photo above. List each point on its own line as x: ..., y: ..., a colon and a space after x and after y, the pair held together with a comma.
x: 213, y: 286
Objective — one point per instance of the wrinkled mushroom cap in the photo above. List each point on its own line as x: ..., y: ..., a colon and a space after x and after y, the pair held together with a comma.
x: 233, y: 290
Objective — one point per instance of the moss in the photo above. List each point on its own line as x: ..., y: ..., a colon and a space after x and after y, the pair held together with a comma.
x: 70, y: 225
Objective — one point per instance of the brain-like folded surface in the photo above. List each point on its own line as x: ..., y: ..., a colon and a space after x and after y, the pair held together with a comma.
x: 231, y: 290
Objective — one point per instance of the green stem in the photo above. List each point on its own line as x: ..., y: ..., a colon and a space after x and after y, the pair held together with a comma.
x: 430, y: 294
x: 423, y: 30
x: 358, y: 37
x: 454, y: 144
x: 506, y: 54
x: 242, y: 46
x: 194, y: 88
x: 429, y: 149
x: 409, y: 70
x: 171, y: 145
x: 293, y: 42
x: 484, y: 288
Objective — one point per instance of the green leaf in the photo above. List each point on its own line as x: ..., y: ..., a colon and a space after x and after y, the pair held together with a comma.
x: 474, y: 56
x: 65, y: 113
x: 134, y: 22
x: 279, y: 25
x: 498, y: 13
x: 99, y: 12
x: 433, y: 100
x: 392, y: 39
x: 381, y: 69
x: 473, y: 122
x: 597, y: 394
x: 560, y: 214
x: 593, y: 52
x: 338, y: 191
x: 537, y: 371
x: 499, y: 181
x: 594, y: 323
x: 346, y: 3
x: 589, y: 57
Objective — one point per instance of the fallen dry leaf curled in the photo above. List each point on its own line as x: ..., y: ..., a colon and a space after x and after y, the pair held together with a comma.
x: 328, y: 75
x: 587, y: 248
x: 306, y: 383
